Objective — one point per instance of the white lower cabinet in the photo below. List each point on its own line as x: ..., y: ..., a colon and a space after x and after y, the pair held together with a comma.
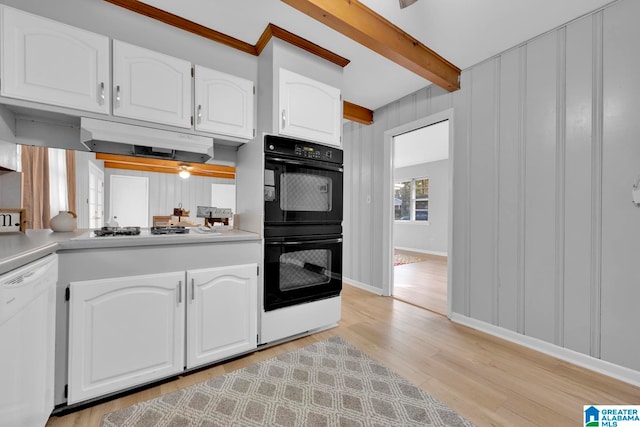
x: 128, y: 331
x: 221, y: 313
x: 124, y: 332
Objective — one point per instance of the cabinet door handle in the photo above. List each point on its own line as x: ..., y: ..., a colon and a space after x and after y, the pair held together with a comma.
x: 180, y: 292
x: 101, y: 99
x: 193, y: 290
x: 284, y: 118
x: 118, y: 96
x: 199, y: 113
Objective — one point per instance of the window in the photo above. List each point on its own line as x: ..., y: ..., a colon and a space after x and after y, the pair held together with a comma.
x: 411, y: 200
x: 58, y: 191
x: 402, y: 201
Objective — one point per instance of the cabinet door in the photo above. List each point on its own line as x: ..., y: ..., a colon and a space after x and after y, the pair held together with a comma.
x: 53, y: 63
x: 224, y: 103
x: 309, y: 109
x: 151, y: 86
x: 124, y: 332
x: 221, y: 313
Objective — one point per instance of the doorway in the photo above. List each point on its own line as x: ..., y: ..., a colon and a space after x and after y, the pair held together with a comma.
x: 421, y: 214
x: 129, y: 200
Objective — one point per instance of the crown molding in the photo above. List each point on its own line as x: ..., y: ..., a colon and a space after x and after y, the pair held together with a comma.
x: 355, y: 112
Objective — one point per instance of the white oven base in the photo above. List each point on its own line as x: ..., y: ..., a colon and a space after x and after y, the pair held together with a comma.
x: 297, y: 319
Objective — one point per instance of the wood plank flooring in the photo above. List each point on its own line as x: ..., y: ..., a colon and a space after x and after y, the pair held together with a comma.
x: 490, y: 381
x: 422, y: 283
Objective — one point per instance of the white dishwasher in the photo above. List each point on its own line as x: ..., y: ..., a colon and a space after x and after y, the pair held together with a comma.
x: 27, y: 341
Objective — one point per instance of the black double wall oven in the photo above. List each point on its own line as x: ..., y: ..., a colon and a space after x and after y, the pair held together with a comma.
x: 303, y: 185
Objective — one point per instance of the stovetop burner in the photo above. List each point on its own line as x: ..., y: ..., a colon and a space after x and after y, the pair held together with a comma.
x: 116, y: 231
x: 177, y: 229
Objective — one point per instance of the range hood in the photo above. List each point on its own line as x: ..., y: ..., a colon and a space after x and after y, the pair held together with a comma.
x: 102, y: 136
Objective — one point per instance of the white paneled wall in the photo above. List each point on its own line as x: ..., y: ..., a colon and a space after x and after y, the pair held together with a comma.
x: 546, y: 241
x: 365, y: 158
x: 619, y: 155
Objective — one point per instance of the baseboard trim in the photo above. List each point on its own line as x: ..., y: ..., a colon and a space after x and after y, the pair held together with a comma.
x: 422, y: 251
x: 362, y: 286
x: 597, y: 365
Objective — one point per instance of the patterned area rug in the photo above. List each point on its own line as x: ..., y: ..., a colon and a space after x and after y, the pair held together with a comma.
x: 400, y: 259
x: 329, y: 383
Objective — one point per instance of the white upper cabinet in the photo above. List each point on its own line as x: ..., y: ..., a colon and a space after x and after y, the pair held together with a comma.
x: 53, y: 63
x: 224, y: 103
x: 151, y: 86
x: 309, y: 109
x: 221, y: 312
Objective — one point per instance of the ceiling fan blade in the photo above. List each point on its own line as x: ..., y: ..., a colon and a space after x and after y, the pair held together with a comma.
x: 405, y: 3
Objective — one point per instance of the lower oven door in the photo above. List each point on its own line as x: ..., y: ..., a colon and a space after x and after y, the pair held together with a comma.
x: 301, y: 269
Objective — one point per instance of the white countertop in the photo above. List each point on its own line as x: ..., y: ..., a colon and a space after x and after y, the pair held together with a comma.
x: 18, y: 249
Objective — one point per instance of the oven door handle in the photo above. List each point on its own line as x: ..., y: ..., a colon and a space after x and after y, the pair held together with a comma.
x: 303, y: 242
x: 316, y: 165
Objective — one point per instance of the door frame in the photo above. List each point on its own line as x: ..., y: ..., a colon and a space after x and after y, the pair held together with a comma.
x: 387, y: 220
x: 95, y: 170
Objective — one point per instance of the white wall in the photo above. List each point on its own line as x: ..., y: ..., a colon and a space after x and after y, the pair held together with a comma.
x: 428, y: 237
x: 10, y: 189
x: 546, y: 240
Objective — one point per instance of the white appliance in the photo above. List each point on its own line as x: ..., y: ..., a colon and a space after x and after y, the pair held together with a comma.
x: 27, y: 343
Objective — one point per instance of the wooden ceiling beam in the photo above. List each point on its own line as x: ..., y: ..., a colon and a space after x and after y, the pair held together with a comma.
x: 165, y: 166
x: 356, y: 113
x: 161, y: 169
x: 361, y: 24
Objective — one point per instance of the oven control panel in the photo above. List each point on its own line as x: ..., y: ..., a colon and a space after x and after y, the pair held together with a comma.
x: 301, y: 149
x: 311, y: 152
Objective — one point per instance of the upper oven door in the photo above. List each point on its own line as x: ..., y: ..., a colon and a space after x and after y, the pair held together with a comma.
x: 302, y: 191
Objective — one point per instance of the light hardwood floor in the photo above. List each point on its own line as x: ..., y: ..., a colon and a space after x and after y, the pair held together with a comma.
x: 422, y: 283
x: 490, y: 381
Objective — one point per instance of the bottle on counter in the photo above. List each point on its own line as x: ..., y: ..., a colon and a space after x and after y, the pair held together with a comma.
x: 112, y: 223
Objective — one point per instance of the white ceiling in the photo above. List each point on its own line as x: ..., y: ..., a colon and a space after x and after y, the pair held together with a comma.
x: 464, y: 32
x: 424, y: 145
